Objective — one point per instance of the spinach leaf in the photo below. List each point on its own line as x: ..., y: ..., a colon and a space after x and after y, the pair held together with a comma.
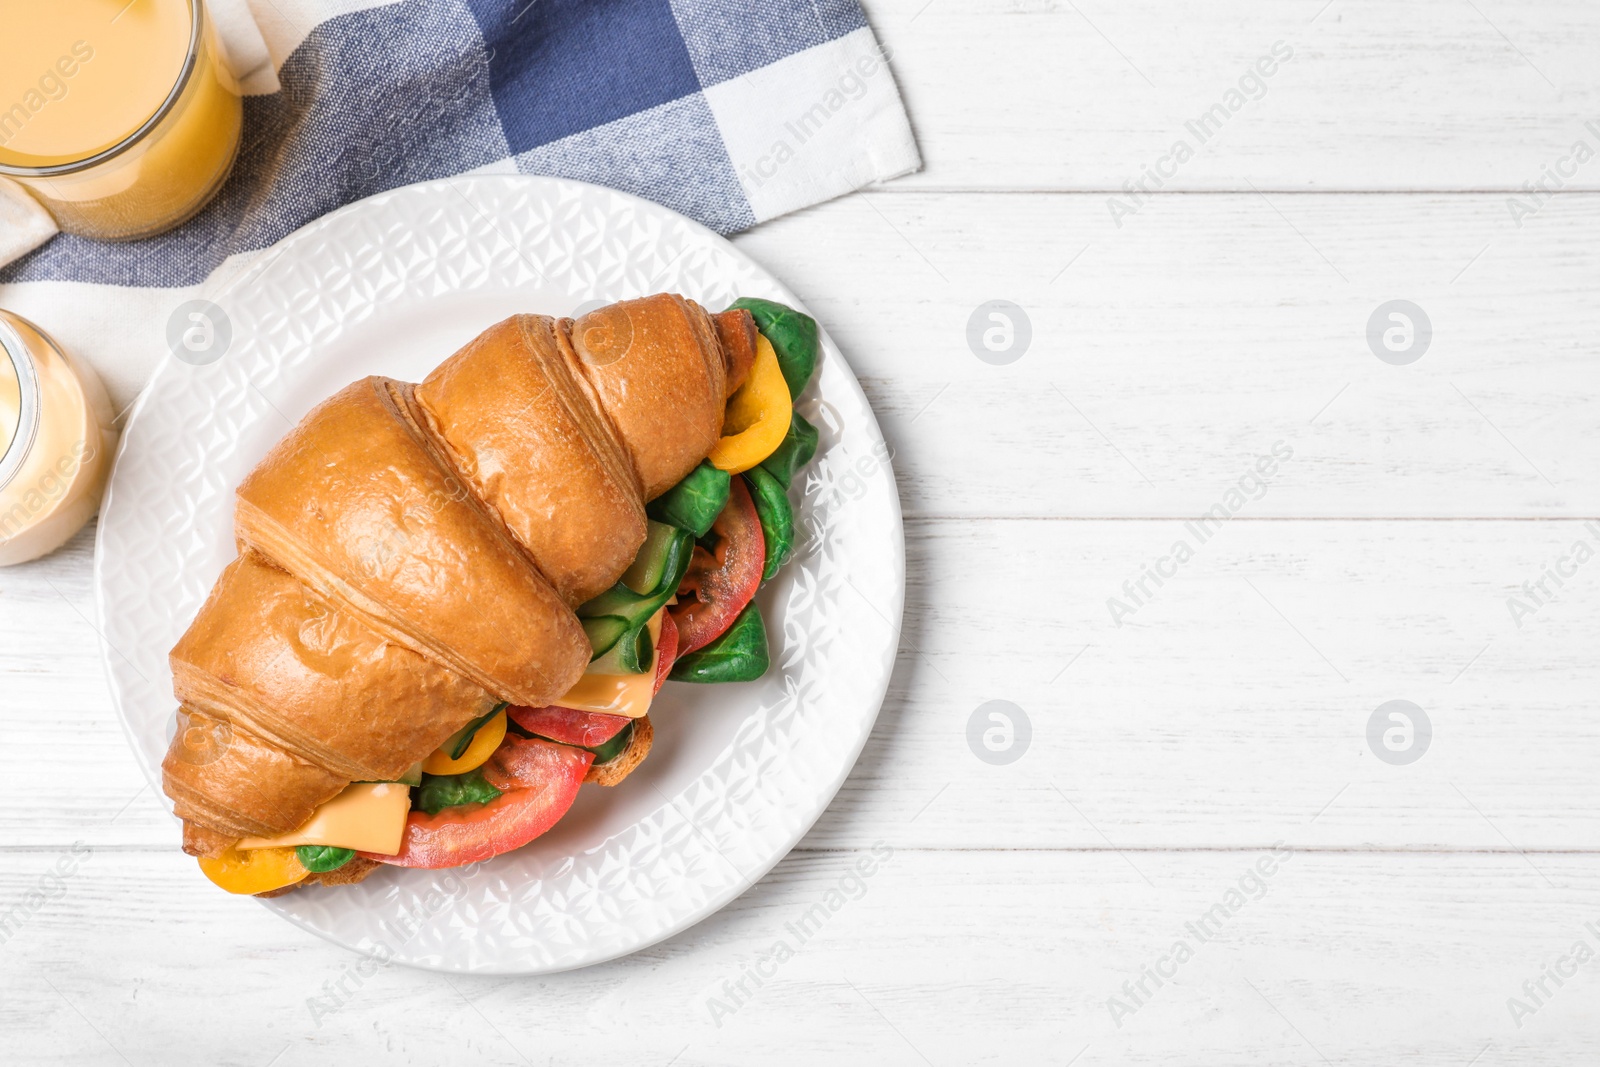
x: 777, y: 519
x: 615, y: 747
x: 795, y: 451
x: 320, y: 859
x: 440, y: 791
x: 739, y: 655
x: 694, y: 503
x: 793, y: 337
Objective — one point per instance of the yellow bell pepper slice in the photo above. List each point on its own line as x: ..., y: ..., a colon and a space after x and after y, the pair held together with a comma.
x: 259, y: 870
x: 757, y: 416
x: 484, y: 742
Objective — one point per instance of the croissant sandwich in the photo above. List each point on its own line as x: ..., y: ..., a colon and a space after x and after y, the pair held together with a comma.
x: 454, y: 601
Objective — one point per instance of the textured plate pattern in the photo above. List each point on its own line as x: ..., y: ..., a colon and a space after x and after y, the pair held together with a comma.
x: 392, y: 285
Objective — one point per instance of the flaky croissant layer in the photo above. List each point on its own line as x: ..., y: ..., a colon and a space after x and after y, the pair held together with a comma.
x: 410, y: 555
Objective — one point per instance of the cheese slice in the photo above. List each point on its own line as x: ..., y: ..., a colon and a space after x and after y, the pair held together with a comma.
x: 367, y: 816
x: 618, y: 694
x: 614, y: 694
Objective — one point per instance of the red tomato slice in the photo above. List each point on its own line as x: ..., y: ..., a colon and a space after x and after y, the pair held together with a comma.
x: 589, y: 729
x: 539, y: 781
x: 668, y: 645
x: 586, y: 729
x: 719, y: 584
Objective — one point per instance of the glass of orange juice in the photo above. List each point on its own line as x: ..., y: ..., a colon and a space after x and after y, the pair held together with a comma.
x: 118, y: 115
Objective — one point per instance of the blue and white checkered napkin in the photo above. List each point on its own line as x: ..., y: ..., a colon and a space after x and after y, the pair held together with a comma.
x: 729, y: 112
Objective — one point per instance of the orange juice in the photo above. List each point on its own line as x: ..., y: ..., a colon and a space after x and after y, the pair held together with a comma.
x: 119, y: 116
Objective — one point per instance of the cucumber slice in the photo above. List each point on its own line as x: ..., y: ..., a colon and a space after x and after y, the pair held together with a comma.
x: 412, y: 777
x: 630, y: 655
x: 616, y: 619
x: 650, y: 565
x: 603, y: 633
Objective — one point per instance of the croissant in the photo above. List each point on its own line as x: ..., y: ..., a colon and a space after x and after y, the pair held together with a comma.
x: 410, y: 556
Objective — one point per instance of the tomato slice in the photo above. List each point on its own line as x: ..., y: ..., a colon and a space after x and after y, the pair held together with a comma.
x: 719, y: 584
x: 538, y: 781
x: 667, y: 645
x: 586, y: 729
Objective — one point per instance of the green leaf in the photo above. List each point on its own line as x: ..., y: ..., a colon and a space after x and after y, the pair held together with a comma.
x: 793, y: 336
x: 739, y: 655
x: 615, y: 747
x: 777, y: 519
x: 320, y: 859
x: 796, y: 450
x: 440, y: 791
x: 694, y: 503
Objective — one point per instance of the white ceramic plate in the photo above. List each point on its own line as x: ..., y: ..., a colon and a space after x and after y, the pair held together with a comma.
x: 393, y: 285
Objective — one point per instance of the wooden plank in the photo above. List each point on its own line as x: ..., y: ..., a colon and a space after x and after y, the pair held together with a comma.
x: 1230, y: 708
x: 926, y: 959
x: 1086, y: 95
x: 1168, y: 355
x: 70, y: 758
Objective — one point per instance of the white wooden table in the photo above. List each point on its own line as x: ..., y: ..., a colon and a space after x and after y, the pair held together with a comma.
x: 1219, y: 732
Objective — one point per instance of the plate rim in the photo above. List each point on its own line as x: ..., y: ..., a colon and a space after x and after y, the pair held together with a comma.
x: 888, y: 655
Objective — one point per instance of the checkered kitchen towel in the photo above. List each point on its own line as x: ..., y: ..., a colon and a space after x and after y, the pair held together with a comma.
x: 729, y: 112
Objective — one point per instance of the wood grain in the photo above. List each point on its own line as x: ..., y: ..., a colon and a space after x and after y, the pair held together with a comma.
x: 1230, y: 708
x: 1167, y: 355
x: 1437, y: 94
x: 922, y: 961
x: 1227, y: 713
